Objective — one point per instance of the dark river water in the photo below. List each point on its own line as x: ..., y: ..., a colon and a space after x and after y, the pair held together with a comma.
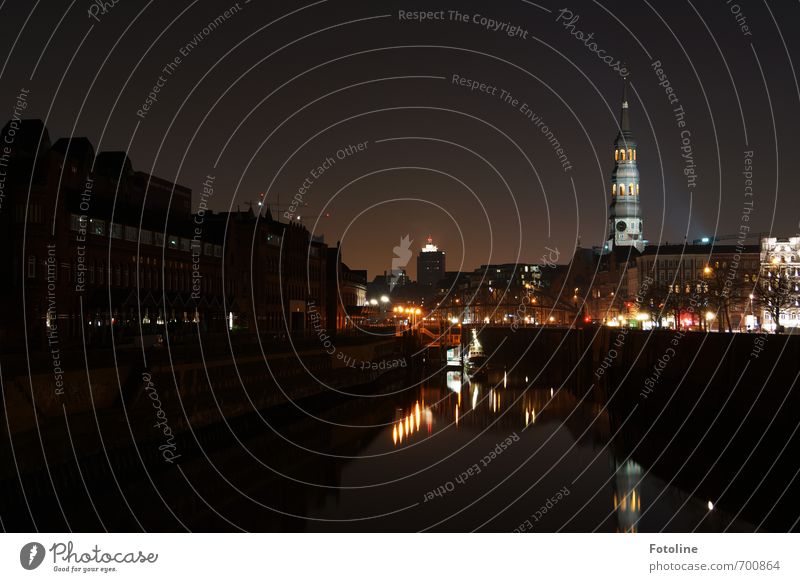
x: 447, y: 454
x: 441, y: 453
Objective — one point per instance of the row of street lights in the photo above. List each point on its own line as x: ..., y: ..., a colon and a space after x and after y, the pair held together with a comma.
x: 412, y: 313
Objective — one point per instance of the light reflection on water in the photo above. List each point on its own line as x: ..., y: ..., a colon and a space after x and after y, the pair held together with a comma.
x: 497, y: 452
x: 456, y: 423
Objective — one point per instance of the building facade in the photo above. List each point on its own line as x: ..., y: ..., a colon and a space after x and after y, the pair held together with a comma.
x: 695, y: 286
x: 97, y: 251
x: 777, y: 296
x: 346, y: 304
x: 430, y: 264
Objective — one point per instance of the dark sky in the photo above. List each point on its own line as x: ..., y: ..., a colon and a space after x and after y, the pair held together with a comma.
x: 271, y: 99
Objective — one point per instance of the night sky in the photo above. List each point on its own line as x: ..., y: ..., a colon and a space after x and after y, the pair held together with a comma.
x: 278, y: 87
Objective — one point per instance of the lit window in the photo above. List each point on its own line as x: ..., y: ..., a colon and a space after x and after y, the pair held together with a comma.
x: 98, y: 227
x: 616, y: 154
x: 634, y: 155
x: 623, y: 155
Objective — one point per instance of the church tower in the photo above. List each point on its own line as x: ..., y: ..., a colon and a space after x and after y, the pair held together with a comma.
x: 624, y: 217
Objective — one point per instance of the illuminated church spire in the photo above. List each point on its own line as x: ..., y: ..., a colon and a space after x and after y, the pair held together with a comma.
x: 624, y: 217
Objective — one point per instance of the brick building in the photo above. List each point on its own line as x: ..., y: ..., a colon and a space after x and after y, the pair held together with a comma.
x: 685, y: 286
x: 94, y: 249
x: 347, y: 306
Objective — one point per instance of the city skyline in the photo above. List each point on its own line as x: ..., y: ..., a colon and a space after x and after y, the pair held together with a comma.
x: 536, y: 214
x: 357, y: 267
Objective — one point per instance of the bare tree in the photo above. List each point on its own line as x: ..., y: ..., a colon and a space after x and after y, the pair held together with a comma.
x: 776, y: 291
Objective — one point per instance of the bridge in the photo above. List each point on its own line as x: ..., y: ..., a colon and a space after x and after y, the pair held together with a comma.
x: 438, y: 337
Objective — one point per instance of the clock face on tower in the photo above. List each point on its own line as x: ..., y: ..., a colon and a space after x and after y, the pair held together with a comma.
x: 621, y: 226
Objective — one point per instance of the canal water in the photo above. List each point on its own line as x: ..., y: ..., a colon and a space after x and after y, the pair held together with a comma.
x: 447, y: 453
x: 441, y: 452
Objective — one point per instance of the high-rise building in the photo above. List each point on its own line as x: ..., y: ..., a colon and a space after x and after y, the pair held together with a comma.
x: 625, y: 217
x: 430, y: 264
